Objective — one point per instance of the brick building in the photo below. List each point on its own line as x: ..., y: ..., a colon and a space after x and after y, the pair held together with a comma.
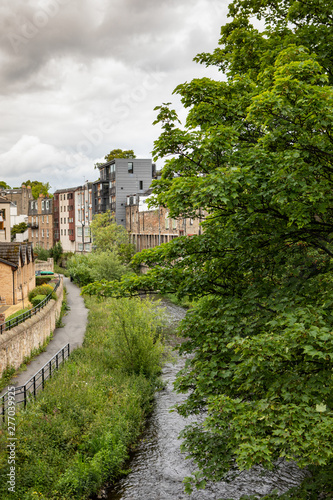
x: 17, y: 272
x: 64, y: 218
x: 150, y: 227
x: 40, y: 222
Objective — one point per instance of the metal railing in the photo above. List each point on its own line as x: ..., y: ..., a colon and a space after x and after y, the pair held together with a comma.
x: 25, y: 392
x: 11, y: 323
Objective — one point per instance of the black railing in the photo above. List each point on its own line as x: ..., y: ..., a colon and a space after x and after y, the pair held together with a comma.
x: 11, y: 323
x: 29, y: 390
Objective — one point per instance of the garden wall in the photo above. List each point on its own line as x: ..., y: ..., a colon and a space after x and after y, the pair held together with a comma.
x: 17, y: 343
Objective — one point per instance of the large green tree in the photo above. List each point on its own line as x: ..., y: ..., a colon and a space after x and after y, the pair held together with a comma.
x: 255, y: 155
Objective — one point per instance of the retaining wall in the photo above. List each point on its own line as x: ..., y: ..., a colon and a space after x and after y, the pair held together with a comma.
x: 43, y: 265
x: 17, y: 343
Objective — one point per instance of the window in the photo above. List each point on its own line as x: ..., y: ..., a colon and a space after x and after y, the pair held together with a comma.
x: 47, y: 219
x: 166, y: 223
x: 61, y: 209
x: 65, y: 232
x: 60, y: 221
x: 174, y: 224
x: 61, y: 197
x: 47, y: 233
x: 141, y: 185
x: 130, y: 167
x: 42, y: 233
x: 80, y: 247
x: 43, y: 219
x: 65, y: 220
x: 87, y: 231
x: 43, y: 204
x: 47, y: 204
x: 79, y: 231
x: 61, y: 232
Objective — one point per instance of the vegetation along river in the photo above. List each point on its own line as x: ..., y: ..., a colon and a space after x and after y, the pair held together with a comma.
x: 158, y: 467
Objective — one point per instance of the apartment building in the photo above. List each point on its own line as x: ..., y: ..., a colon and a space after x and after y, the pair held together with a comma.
x: 83, y: 205
x: 118, y: 179
x: 150, y: 227
x: 40, y: 222
x: 64, y: 218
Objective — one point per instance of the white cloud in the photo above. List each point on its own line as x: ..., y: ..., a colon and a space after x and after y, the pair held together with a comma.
x: 83, y: 76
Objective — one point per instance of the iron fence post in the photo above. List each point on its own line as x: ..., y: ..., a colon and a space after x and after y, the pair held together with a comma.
x: 43, y: 377
x: 25, y: 395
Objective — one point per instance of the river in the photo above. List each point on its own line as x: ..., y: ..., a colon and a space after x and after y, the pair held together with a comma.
x: 158, y: 467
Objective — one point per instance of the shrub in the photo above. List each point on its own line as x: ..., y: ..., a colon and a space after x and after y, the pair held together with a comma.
x: 135, y: 344
x: 42, y: 280
x: 40, y: 290
x: 37, y: 300
x: 41, y: 253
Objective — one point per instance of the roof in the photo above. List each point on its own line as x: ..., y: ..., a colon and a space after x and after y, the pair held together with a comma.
x: 16, y: 253
x: 8, y: 263
x: 4, y: 200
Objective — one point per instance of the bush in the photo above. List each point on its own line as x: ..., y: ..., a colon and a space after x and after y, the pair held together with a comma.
x: 41, y: 280
x: 41, y: 253
x: 135, y: 345
x: 41, y: 290
x: 37, y: 300
x: 85, y: 269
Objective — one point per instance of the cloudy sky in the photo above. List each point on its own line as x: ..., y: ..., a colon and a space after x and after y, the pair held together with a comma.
x: 81, y: 77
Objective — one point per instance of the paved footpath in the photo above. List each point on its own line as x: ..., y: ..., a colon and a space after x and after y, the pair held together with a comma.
x: 75, y: 322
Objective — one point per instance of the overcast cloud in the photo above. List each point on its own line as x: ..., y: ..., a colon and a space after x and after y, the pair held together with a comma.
x: 81, y: 77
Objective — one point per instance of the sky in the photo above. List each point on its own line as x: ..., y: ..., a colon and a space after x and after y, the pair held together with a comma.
x: 79, y: 78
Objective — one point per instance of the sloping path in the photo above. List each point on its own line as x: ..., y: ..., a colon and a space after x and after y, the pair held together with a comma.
x: 75, y: 322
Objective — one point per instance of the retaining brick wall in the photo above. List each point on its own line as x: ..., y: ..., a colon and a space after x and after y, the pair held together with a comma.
x: 17, y: 343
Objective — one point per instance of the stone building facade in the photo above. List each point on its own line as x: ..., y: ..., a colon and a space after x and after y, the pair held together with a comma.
x: 17, y: 272
x: 150, y: 227
x: 40, y: 222
x: 20, y: 197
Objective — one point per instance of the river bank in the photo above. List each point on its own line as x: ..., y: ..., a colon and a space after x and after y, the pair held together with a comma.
x: 76, y: 436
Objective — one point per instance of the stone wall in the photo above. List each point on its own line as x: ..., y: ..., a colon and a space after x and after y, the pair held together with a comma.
x: 43, y: 265
x: 17, y: 343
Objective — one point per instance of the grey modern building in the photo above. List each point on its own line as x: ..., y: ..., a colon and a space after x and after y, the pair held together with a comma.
x: 118, y: 179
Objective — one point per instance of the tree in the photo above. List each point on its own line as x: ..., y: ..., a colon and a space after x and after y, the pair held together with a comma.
x: 38, y: 188
x: 255, y: 154
x: 4, y: 185
x: 107, y: 234
x: 119, y: 153
x: 18, y: 229
x: 96, y: 266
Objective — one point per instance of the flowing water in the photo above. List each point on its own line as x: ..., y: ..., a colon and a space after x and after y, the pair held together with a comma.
x: 158, y: 467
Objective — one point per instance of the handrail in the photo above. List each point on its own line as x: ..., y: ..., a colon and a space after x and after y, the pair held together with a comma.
x: 11, y: 323
x: 24, y: 392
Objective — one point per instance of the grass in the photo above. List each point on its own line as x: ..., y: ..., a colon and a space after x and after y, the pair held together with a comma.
x: 76, y: 436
